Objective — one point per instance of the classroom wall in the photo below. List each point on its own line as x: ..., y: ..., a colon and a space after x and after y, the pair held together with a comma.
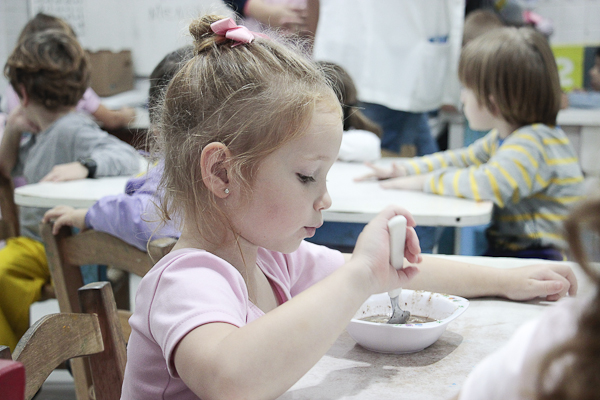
x: 13, y: 15
x: 152, y: 28
x: 149, y: 28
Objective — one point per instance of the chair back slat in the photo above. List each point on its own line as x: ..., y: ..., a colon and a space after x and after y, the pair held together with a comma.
x: 92, y: 338
x: 67, y: 252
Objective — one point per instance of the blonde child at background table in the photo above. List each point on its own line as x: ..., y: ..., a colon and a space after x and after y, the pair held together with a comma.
x: 556, y: 356
x: 90, y: 102
x: 44, y: 140
x: 249, y: 130
x: 525, y: 165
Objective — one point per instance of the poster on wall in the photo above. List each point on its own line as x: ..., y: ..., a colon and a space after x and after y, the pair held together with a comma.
x: 574, y: 63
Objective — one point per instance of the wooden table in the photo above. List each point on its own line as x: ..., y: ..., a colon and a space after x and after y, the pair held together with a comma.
x: 81, y: 193
x: 349, y: 371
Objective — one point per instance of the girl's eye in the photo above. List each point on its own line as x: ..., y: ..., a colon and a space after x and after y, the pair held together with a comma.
x: 305, y: 178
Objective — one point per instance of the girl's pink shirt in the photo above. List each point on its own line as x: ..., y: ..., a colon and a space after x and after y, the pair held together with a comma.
x: 89, y: 103
x: 191, y: 287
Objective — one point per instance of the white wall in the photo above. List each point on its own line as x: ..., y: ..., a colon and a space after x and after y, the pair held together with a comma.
x: 149, y: 28
x: 13, y: 15
x: 152, y: 28
x: 575, y: 21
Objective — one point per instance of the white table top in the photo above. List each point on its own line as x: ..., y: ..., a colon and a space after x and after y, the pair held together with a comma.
x: 352, y: 201
x: 361, y: 201
x: 578, y: 117
x: 349, y: 371
x: 81, y: 193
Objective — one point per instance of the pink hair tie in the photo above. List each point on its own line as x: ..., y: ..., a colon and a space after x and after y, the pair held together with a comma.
x: 228, y: 28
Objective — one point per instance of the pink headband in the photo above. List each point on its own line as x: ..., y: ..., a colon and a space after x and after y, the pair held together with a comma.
x: 228, y: 28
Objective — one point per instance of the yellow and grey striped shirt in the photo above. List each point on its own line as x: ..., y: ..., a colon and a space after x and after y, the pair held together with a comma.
x: 533, y: 177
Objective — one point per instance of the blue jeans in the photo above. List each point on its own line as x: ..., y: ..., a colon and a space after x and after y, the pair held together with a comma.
x: 402, y: 128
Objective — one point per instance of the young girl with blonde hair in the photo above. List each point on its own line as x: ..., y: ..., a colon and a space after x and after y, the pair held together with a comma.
x: 249, y: 130
x: 243, y: 306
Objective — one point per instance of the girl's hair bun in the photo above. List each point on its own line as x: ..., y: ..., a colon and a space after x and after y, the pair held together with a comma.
x: 204, y: 37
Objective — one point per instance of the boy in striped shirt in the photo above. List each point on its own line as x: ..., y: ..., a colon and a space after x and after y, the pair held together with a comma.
x: 525, y: 164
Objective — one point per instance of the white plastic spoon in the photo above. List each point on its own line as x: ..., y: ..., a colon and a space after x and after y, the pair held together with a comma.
x: 397, y: 228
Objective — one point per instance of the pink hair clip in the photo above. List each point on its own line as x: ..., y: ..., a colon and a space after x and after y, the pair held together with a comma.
x: 239, y: 33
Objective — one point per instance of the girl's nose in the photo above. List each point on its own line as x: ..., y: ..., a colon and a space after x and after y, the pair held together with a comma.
x: 324, y: 202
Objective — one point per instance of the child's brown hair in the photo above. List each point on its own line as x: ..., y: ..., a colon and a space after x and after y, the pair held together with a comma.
x: 161, y: 76
x: 344, y: 88
x: 479, y: 22
x: 252, y: 97
x: 579, y: 358
x: 512, y: 71
x: 43, y: 22
x: 51, y: 67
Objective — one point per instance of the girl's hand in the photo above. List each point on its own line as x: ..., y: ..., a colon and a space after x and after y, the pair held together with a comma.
x: 414, y: 182
x: 66, y: 172
x: 66, y: 216
x: 372, y: 249
x: 380, y: 173
x: 550, y: 281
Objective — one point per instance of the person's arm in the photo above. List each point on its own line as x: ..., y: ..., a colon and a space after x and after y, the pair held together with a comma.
x: 113, y: 119
x: 475, y: 154
x: 312, y: 19
x: 267, y: 356
x: 132, y: 216
x: 109, y: 155
x: 16, y: 124
x: 113, y: 157
x: 550, y: 281
x: 287, y: 17
x: 517, y: 170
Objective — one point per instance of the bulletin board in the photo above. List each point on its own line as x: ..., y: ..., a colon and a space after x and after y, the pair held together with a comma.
x: 149, y: 28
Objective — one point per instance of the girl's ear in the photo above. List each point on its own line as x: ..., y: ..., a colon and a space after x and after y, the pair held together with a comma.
x: 213, y: 165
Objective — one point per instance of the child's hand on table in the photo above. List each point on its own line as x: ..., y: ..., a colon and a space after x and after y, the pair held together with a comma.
x: 66, y: 172
x: 66, y: 216
x: 413, y: 182
x: 549, y: 281
x: 380, y: 173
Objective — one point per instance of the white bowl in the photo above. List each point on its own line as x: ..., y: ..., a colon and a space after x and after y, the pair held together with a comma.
x: 409, y: 338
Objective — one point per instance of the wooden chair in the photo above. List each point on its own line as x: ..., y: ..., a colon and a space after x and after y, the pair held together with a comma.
x: 95, y: 333
x: 67, y: 252
x: 12, y: 380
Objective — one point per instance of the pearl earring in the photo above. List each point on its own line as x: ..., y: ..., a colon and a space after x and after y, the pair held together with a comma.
x: 226, y: 190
